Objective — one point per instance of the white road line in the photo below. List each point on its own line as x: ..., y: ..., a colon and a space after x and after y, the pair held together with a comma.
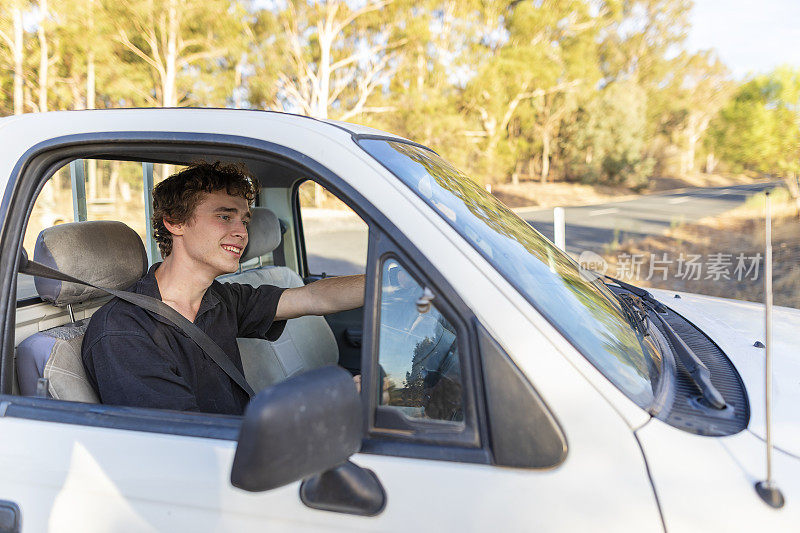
x: 720, y: 192
x: 597, y: 212
x: 677, y: 200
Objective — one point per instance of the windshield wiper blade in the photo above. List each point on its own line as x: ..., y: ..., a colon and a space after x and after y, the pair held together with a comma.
x: 698, y: 371
x: 638, y: 291
x: 637, y: 316
x: 631, y: 305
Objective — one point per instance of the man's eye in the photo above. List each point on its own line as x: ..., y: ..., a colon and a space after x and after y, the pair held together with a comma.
x: 246, y: 223
x: 225, y: 217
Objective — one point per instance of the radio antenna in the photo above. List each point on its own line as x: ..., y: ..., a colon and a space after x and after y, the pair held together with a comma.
x: 767, y: 490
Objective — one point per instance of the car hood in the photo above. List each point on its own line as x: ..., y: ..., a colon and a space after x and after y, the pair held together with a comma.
x: 735, y: 326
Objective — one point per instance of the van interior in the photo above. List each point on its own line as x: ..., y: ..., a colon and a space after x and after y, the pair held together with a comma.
x: 82, y: 194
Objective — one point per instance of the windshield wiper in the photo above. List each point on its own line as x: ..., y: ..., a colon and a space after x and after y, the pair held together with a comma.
x: 637, y: 316
x: 698, y: 371
x: 640, y: 292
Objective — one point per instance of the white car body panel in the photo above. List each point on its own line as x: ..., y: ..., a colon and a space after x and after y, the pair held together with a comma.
x: 92, y: 479
x: 708, y: 483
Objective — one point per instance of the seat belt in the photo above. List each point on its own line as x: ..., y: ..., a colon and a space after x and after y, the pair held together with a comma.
x: 278, y: 254
x: 156, y: 306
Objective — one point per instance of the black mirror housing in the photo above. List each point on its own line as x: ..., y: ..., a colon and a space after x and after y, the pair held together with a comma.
x: 307, y: 424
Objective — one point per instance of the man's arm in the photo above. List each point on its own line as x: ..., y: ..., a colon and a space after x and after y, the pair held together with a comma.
x: 328, y: 295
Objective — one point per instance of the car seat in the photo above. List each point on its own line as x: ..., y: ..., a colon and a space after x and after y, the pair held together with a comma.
x: 105, y: 253
x: 307, y: 342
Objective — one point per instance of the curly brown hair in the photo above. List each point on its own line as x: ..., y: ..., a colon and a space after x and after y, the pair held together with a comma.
x: 176, y: 198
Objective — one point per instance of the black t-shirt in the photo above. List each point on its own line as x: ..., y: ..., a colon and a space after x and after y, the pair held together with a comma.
x: 136, y: 358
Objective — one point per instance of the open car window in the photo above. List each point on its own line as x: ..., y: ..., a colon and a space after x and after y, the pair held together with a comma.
x: 89, y: 189
x: 335, y: 236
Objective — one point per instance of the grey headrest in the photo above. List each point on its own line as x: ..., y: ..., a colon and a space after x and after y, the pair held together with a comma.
x: 102, y: 252
x: 264, y: 233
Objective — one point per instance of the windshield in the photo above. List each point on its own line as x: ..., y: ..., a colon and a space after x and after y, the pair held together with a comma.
x: 579, y: 306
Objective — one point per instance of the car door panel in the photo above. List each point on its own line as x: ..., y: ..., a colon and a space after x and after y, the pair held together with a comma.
x: 72, y: 478
x: 347, y: 328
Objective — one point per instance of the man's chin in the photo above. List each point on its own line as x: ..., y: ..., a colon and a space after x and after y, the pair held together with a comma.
x: 230, y: 269
x: 225, y: 267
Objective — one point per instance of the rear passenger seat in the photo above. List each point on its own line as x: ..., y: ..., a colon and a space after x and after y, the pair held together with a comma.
x: 307, y: 342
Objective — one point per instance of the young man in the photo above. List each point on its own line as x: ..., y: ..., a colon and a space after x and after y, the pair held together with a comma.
x: 136, y: 358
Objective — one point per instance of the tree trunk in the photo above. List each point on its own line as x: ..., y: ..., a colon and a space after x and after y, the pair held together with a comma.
x: 690, y: 149
x: 545, y: 156
x: 77, y: 95
x: 237, y: 85
x: 90, y: 74
x: 90, y: 82
x: 711, y: 163
x: 91, y: 180
x: 169, y: 93
x: 319, y: 192
x: 516, y: 173
x: 324, y: 86
x: 19, y: 95
x: 43, y: 59
x: 420, y: 69
x: 113, y: 182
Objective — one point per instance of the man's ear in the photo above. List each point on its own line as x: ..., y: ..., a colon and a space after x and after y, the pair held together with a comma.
x: 175, y: 229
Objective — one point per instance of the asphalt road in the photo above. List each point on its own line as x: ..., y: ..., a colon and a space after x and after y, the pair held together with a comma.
x: 591, y: 227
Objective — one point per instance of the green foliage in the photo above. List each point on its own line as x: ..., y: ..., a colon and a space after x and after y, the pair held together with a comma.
x: 759, y: 129
x: 597, y: 91
x: 606, y: 142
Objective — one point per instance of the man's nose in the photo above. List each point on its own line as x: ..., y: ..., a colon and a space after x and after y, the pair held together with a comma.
x: 240, y: 230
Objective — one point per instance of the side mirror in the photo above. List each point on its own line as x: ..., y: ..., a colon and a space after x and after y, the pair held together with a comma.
x: 305, y: 425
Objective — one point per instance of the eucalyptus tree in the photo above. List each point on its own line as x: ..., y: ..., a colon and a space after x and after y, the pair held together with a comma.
x: 547, y: 60
x: 699, y: 88
x: 177, y: 43
x: 605, y: 142
x: 12, y: 37
x: 759, y: 129
x: 640, y: 45
x: 446, y: 43
x: 336, y: 54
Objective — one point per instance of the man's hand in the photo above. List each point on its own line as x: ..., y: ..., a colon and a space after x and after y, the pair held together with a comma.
x: 328, y: 295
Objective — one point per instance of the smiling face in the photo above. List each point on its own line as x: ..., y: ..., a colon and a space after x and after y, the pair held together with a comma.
x: 215, y: 236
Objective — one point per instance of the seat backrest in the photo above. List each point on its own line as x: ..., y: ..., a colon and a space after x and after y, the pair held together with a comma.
x: 105, y: 253
x: 55, y: 354
x: 306, y: 343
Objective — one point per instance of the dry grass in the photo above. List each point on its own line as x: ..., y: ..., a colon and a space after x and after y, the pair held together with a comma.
x: 533, y: 193
x: 740, y: 231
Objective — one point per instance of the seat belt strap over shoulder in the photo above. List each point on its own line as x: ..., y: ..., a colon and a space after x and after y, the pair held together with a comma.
x: 156, y: 306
